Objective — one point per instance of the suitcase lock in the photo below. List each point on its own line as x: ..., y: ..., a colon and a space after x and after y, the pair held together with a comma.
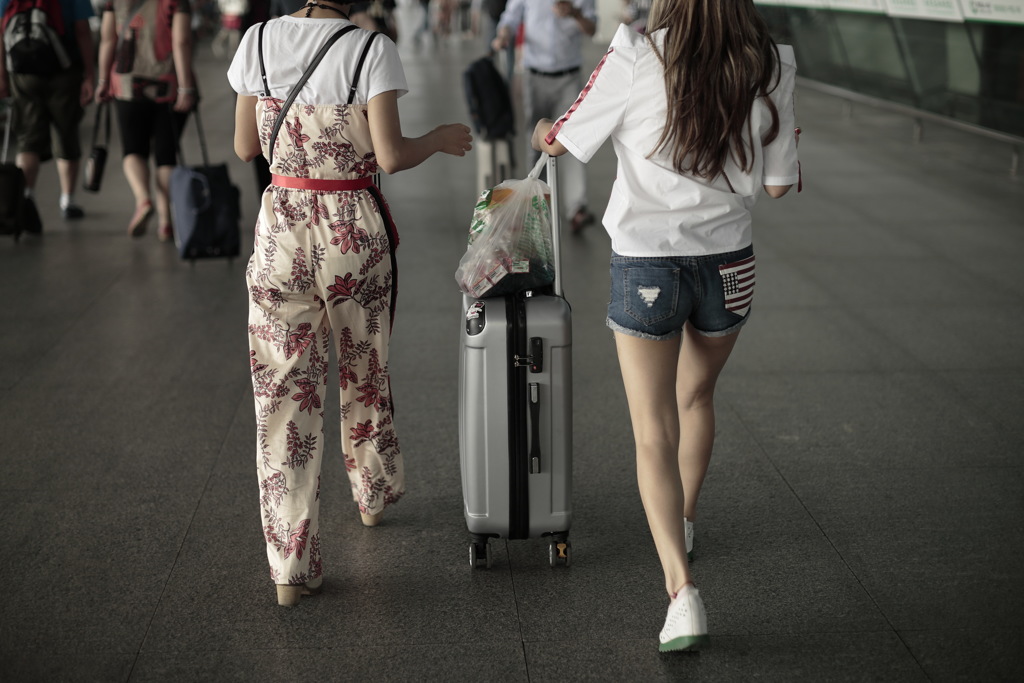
x: 535, y: 361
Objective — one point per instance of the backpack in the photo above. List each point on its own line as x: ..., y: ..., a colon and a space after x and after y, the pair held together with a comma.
x: 494, y: 8
x: 33, y: 31
x: 490, y: 104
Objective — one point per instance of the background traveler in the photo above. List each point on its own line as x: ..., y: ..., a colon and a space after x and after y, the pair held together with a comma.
x: 51, y: 87
x: 551, y: 58
x: 145, y: 66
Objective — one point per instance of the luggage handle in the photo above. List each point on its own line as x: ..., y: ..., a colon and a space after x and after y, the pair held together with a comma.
x: 534, y: 428
x: 556, y: 223
x: 7, y: 131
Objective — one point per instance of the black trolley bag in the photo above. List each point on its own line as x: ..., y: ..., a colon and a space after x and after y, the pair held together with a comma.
x: 12, y: 187
x: 515, y: 414
x: 205, y: 206
x: 490, y: 109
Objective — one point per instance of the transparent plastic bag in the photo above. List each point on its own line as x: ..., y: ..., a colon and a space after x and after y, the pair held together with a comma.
x: 509, y: 239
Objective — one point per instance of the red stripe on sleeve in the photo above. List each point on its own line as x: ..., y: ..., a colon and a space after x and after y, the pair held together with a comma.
x: 550, y: 138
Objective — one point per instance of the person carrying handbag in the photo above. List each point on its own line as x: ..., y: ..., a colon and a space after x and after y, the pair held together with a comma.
x: 145, y: 67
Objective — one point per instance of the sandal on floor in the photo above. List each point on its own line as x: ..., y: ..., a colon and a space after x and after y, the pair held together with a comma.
x: 140, y: 219
x: 165, y: 232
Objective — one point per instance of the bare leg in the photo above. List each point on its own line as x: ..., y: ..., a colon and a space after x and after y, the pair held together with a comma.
x: 67, y: 172
x: 648, y: 374
x: 28, y: 162
x: 670, y: 387
x: 163, y: 202
x: 136, y: 170
x: 701, y: 360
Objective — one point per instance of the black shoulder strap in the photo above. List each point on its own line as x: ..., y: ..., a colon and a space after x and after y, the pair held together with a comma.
x: 359, y: 66
x: 263, y: 68
x: 302, y: 81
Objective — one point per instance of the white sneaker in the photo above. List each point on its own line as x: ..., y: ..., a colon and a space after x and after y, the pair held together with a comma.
x: 686, y: 625
x: 689, y: 539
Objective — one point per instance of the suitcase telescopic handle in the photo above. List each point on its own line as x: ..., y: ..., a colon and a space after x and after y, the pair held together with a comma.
x: 556, y: 224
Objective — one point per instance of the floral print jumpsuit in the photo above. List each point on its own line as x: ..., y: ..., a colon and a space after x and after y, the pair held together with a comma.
x: 323, y: 265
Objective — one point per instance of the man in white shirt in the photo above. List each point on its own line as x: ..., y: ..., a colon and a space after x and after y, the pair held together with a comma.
x: 552, y: 59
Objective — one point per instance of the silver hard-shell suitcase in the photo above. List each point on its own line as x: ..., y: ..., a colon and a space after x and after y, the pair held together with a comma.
x: 515, y: 414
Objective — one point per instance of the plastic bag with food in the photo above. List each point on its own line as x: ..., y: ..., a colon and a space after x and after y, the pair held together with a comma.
x: 509, y: 239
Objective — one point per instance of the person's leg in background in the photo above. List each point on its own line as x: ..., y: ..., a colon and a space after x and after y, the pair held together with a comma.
x: 135, y: 121
x: 538, y: 103
x: 33, y: 138
x: 169, y: 128
x: 66, y: 111
x: 573, y: 175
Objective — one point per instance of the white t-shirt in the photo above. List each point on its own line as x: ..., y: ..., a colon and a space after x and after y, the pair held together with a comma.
x: 300, y: 39
x: 653, y: 210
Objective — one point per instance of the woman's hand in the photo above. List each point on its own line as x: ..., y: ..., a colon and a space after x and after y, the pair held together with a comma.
x: 102, y: 93
x: 86, y: 93
x: 454, y: 139
x: 539, y: 139
x: 186, y: 100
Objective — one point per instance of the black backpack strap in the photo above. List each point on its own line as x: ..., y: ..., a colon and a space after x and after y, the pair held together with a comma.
x: 263, y: 68
x: 359, y: 66
x: 302, y: 81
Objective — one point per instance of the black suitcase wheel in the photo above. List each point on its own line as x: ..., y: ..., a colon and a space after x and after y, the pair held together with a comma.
x: 479, y: 554
x: 559, y: 551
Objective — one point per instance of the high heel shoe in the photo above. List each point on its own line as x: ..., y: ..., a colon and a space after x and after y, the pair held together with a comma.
x: 289, y: 596
x: 372, y: 520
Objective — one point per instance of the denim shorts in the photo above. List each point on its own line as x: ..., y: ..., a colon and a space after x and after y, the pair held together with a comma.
x: 654, y: 297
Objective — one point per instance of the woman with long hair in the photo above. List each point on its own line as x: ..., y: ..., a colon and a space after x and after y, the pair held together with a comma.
x: 700, y: 113
x: 323, y: 267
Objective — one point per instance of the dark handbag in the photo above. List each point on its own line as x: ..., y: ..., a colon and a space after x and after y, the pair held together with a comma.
x: 124, y: 58
x: 92, y: 176
x: 124, y: 53
x: 205, y: 206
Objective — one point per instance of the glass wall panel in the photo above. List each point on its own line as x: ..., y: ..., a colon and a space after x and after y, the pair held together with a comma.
x: 971, y: 71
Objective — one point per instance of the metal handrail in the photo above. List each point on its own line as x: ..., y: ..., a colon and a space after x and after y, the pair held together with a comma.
x: 919, y: 115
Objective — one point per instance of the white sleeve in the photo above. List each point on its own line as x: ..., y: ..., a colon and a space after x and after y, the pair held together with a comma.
x: 244, y: 72
x: 780, y: 157
x: 599, y: 109
x: 512, y: 17
x: 383, y: 70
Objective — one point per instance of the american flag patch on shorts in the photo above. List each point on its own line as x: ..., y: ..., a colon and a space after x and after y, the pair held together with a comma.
x: 738, y: 283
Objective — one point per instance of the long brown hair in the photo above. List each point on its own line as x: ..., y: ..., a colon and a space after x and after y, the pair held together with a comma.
x: 718, y: 59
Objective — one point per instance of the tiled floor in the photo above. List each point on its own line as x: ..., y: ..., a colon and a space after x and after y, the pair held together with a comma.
x: 862, y: 519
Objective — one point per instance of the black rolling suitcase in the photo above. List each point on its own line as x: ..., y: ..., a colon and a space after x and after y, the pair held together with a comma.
x: 12, y: 188
x: 205, y: 206
x: 515, y: 415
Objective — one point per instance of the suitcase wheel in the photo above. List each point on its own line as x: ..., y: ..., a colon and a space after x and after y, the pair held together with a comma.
x: 479, y: 555
x: 559, y: 551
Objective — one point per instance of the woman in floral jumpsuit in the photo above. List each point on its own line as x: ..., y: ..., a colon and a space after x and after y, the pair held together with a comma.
x: 323, y: 266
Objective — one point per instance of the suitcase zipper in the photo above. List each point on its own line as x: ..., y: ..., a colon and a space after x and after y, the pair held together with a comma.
x: 519, y: 494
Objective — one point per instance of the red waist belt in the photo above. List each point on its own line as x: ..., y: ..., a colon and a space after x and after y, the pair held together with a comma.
x: 324, y: 185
